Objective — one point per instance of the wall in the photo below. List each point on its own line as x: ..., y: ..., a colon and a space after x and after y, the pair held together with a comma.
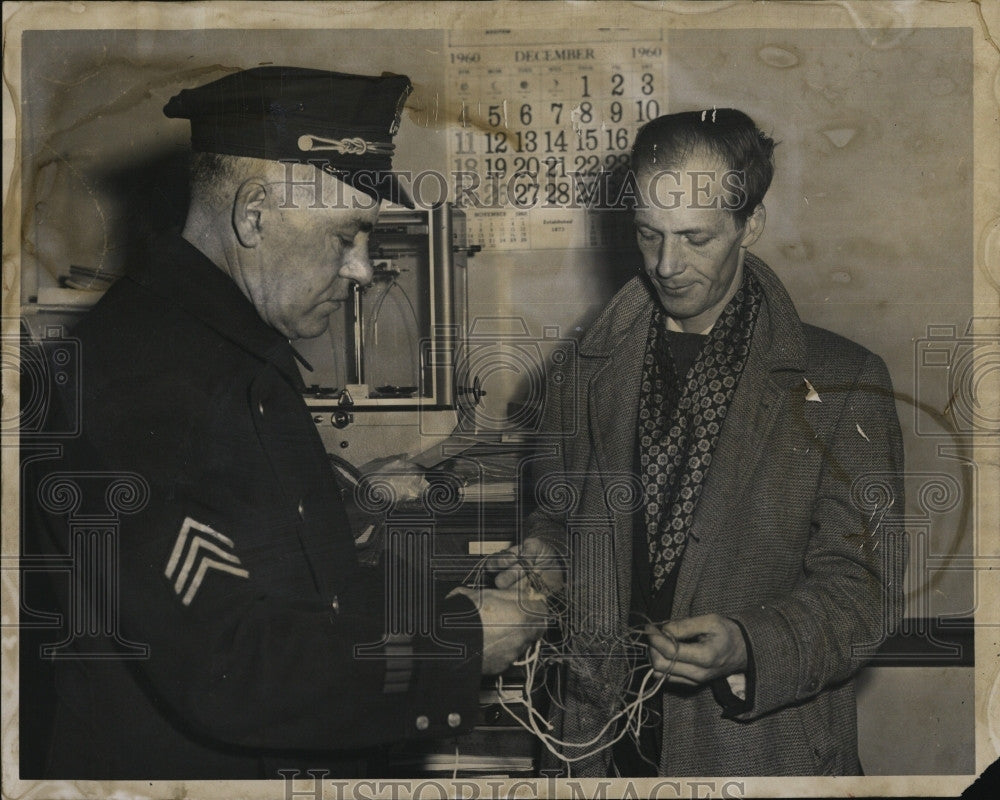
x: 916, y: 720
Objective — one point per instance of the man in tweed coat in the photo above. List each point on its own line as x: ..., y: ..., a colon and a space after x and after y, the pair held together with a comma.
x: 764, y: 460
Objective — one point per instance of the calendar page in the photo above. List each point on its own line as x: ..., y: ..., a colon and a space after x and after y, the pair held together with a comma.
x: 545, y: 122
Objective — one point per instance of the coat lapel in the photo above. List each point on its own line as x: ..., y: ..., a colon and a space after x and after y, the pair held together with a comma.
x: 775, y: 366
x: 614, y: 360
x: 613, y: 406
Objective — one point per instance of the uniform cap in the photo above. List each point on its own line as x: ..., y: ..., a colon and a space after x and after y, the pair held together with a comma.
x: 342, y: 124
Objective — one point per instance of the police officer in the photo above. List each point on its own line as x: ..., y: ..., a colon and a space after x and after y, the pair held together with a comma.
x: 248, y: 638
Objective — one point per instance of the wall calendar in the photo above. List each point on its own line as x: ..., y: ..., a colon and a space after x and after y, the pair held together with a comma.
x: 543, y: 130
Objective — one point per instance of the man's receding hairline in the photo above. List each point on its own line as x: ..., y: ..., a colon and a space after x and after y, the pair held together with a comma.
x: 674, y: 157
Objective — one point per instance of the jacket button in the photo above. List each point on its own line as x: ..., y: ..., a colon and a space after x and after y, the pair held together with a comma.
x: 423, y: 723
x: 335, y: 604
x: 454, y: 720
x: 260, y: 407
x: 302, y: 509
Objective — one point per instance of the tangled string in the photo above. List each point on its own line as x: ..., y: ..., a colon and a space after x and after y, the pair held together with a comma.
x: 586, y: 666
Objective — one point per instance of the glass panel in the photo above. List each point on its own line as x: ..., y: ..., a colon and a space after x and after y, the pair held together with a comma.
x: 379, y: 340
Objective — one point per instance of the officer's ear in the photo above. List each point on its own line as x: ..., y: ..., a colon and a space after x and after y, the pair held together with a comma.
x: 754, y: 226
x: 248, y: 207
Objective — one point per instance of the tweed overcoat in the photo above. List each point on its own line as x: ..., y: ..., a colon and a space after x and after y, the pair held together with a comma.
x: 795, y: 537
x: 266, y: 641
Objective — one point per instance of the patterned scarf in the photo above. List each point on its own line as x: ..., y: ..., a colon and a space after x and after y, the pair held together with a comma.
x: 679, y: 427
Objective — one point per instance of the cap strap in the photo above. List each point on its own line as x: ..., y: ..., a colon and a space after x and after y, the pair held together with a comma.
x: 355, y: 146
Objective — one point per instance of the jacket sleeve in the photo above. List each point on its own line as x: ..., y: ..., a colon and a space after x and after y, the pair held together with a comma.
x: 243, y: 667
x: 240, y: 653
x: 850, y: 594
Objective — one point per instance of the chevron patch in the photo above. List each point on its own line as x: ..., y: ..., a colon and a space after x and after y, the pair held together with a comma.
x: 194, y: 554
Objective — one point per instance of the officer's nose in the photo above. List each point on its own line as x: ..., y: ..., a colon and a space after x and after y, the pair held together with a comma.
x: 356, y: 264
x: 670, y: 258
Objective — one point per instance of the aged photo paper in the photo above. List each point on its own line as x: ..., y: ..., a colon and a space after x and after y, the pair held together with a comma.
x: 882, y: 221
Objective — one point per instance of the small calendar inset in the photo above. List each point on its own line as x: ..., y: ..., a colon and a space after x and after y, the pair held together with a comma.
x: 551, y: 228
x: 497, y: 229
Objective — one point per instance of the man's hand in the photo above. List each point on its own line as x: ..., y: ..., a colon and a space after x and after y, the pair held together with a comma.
x: 538, y: 555
x: 707, y: 647
x: 512, y: 619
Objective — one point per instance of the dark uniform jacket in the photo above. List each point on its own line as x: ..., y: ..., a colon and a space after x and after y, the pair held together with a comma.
x: 248, y: 637
x: 796, y: 537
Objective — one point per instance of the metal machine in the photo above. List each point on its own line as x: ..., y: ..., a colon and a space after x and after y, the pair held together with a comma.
x: 382, y: 381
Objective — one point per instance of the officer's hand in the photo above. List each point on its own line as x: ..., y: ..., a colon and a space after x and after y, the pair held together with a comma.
x: 702, y: 648
x: 538, y: 555
x: 512, y: 619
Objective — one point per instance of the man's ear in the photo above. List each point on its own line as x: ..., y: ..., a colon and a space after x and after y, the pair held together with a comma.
x: 754, y: 226
x: 248, y: 210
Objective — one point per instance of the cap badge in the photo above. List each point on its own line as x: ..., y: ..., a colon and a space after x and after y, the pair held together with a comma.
x: 354, y: 146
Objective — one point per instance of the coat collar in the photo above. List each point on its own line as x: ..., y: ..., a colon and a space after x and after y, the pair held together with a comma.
x: 613, y: 350
x: 779, y: 333
x: 782, y: 339
x: 180, y: 273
